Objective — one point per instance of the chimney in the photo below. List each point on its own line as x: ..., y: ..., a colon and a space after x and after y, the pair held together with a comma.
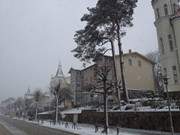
x: 130, y: 51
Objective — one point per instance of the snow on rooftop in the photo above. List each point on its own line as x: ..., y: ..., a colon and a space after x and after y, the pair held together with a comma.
x: 75, y: 110
x: 47, y: 112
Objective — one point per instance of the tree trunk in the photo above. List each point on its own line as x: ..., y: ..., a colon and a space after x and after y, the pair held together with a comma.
x: 125, y: 93
x: 115, y: 73
x: 57, y: 101
x: 105, y: 108
x: 36, y: 112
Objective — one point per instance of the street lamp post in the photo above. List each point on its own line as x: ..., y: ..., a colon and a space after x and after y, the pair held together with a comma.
x: 169, y: 104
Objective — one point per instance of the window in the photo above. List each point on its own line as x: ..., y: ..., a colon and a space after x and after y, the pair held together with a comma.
x: 174, y: 7
x: 130, y: 62
x: 161, y: 45
x: 171, y: 47
x: 165, y: 9
x: 78, y: 84
x: 175, y: 76
x: 165, y: 71
x: 157, y: 12
x: 139, y: 63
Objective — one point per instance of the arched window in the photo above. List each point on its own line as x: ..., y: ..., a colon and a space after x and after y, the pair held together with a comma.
x: 166, y: 9
x: 161, y: 45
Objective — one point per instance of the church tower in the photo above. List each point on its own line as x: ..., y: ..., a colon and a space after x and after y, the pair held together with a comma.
x: 59, y: 78
x: 167, y: 23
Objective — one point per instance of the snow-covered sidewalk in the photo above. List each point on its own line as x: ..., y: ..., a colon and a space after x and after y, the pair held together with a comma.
x: 87, y: 129
x: 83, y: 129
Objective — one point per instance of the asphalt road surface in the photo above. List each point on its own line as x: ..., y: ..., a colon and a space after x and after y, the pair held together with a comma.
x: 4, y: 131
x: 17, y: 127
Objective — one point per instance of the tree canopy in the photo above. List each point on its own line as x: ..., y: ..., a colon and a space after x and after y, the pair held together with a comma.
x: 101, y: 27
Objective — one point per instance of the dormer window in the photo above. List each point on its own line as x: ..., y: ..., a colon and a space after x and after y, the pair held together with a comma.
x: 166, y: 9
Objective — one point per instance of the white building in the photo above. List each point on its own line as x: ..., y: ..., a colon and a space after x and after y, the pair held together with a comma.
x: 167, y: 23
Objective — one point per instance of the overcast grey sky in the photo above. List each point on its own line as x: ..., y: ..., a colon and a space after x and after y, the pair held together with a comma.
x: 36, y: 34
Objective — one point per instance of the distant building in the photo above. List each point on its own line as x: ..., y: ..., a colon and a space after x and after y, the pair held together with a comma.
x: 167, y: 23
x: 64, y: 85
x: 28, y: 94
x: 76, y: 84
x: 59, y: 78
x: 138, y: 71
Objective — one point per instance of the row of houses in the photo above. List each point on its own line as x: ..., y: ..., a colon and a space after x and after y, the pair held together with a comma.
x: 138, y: 72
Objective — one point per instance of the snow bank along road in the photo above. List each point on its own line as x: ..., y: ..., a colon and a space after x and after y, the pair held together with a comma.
x: 11, y: 127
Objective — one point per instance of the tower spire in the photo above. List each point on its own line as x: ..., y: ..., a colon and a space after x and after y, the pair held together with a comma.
x: 59, y: 72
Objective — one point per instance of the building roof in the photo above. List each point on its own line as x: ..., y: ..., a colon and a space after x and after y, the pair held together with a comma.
x: 80, y: 70
x: 73, y: 69
x: 134, y: 53
x: 88, y: 67
x: 124, y: 55
x: 140, y: 55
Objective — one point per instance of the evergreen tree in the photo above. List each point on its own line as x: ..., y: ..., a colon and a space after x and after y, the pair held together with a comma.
x: 105, y: 23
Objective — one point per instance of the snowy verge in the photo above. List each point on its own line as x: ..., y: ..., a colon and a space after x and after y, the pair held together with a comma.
x: 87, y: 129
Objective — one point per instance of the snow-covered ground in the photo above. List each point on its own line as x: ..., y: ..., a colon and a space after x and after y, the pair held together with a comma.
x: 87, y: 129
x: 83, y: 129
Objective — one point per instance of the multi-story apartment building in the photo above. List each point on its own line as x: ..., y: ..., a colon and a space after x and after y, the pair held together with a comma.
x: 167, y: 23
x: 138, y: 71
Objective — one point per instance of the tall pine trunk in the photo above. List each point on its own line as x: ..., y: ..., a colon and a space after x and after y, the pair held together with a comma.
x: 115, y: 73
x: 125, y: 92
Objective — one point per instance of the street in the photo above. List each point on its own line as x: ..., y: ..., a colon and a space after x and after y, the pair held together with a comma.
x: 18, y: 127
x: 4, y: 131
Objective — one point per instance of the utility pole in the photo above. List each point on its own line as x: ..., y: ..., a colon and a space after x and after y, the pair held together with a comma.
x: 169, y: 104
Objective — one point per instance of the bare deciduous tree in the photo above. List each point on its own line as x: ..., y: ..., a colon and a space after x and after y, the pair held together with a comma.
x: 37, y: 96
x: 104, y: 86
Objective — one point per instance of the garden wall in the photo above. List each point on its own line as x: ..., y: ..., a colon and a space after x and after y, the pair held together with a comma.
x: 140, y: 120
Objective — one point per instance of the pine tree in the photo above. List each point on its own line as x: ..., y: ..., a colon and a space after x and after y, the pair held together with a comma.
x: 105, y: 23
